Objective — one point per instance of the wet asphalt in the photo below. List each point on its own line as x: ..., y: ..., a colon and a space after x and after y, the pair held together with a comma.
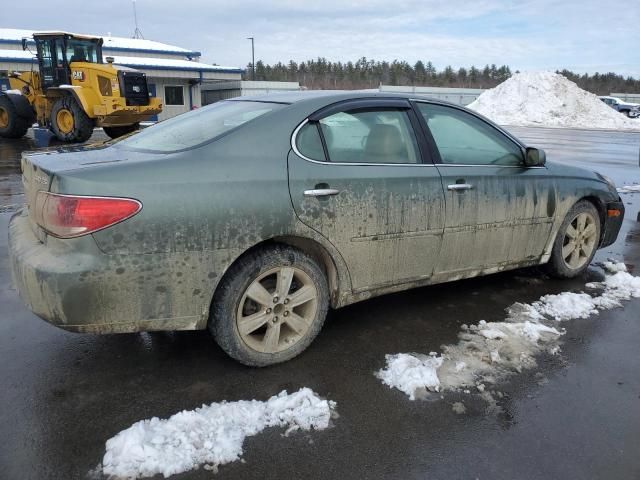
x: 576, y: 416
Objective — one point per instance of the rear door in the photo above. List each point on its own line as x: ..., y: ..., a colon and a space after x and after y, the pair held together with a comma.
x: 360, y: 174
x: 498, y: 211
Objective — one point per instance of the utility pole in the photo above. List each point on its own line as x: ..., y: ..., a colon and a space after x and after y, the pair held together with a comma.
x: 253, y: 60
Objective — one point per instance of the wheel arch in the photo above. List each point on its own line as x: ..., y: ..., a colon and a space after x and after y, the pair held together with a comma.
x: 76, y: 94
x: 338, y: 278
x: 600, y: 207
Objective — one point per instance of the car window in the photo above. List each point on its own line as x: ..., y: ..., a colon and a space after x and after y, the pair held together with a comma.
x: 309, y: 142
x: 198, y: 126
x: 464, y: 139
x: 371, y: 135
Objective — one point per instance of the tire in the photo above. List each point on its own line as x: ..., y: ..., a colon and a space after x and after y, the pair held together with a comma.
x: 296, y: 326
x: 79, y: 126
x: 12, y: 125
x: 564, y: 262
x: 115, y: 132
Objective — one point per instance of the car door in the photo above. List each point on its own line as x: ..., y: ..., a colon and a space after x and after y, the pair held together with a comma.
x: 498, y: 211
x: 360, y: 176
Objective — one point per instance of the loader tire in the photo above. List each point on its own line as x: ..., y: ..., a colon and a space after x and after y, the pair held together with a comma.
x: 115, y: 132
x: 12, y: 125
x: 69, y: 122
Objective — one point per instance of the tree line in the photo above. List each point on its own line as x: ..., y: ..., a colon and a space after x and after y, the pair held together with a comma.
x: 365, y: 73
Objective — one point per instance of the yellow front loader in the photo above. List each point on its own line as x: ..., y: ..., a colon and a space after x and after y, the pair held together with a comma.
x: 72, y: 91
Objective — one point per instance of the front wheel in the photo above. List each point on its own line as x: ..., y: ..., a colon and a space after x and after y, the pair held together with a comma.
x: 270, y: 306
x: 577, y: 241
x: 115, y: 132
x: 69, y: 122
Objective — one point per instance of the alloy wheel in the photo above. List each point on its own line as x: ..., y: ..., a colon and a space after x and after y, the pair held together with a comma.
x: 277, y: 309
x: 579, y: 241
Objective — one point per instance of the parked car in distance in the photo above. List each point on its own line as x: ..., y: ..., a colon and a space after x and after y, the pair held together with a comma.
x: 631, y: 110
x: 251, y: 217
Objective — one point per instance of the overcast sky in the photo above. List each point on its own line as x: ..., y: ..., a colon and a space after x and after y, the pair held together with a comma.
x: 581, y: 35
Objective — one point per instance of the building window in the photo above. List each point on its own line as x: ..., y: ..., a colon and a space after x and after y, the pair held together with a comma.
x: 173, y: 95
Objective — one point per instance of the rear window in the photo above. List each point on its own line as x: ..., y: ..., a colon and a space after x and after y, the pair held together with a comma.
x: 197, y: 127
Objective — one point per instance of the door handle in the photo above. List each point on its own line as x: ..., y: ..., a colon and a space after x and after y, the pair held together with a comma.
x: 460, y: 186
x: 321, y: 192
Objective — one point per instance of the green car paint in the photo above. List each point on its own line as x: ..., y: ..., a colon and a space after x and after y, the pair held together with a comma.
x: 390, y: 227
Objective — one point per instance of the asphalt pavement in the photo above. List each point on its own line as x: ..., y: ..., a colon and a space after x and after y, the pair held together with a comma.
x: 575, y: 416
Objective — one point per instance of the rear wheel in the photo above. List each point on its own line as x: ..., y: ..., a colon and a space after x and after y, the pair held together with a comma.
x: 270, y: 306
x: 12, y: 125
x: 115, y: 132
x: 576, y: 242
x: 69, y: 121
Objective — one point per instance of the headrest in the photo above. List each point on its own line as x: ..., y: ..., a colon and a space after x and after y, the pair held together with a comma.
x: 384, y: 141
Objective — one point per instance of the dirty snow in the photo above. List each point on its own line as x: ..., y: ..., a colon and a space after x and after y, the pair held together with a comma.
x: 551, y: 100
x: 635, y: 188
x: 490, y: 351
x: 211, y: 435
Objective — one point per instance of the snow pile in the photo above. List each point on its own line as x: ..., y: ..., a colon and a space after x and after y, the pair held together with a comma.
x: 489, y: 351
x: 548, y: 99
x: 635, y: 188
x: 411, y: 372
x: 211, y: 435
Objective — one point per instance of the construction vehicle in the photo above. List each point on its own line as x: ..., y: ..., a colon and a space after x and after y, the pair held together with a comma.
x: 73, y: 90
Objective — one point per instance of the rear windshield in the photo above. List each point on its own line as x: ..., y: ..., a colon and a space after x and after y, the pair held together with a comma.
x: 197, y: 127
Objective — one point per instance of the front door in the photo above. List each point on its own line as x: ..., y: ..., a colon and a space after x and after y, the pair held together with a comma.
x: 498, y: 212
x: 54, y: 69
x: 360, y: 176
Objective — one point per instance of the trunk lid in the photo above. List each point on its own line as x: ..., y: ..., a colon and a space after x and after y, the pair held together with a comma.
x: 40, y: 168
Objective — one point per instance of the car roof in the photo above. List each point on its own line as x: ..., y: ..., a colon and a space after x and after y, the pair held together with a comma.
x: 329, y: 96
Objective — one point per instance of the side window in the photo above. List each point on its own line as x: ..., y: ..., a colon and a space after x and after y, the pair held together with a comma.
x: 464, y: 139
x: 372, y: 135
x: 309, y: 142
x: 46, y: 61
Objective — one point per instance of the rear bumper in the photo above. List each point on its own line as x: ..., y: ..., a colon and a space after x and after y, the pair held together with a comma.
x: 612, y: 224
x: 76, y: 287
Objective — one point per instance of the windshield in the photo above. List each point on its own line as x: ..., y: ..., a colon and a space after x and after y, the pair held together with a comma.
x: 82, y: 51
x: 198, y: 126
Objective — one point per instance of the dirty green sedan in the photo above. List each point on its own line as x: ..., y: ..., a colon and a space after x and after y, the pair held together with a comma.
x: 252, y: 217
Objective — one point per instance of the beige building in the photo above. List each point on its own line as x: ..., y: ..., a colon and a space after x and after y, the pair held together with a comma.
x: 174, y: 74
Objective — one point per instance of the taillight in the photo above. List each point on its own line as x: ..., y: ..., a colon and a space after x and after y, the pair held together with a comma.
x: 68, y: 216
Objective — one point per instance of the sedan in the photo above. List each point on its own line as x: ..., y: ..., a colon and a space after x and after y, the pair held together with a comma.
x: 252, y: 217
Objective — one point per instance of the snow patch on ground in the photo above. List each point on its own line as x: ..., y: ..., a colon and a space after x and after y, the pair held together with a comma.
x: 211, y: 435
x: 490, y: 351
x: 548, y: 99
x: 635, y: 188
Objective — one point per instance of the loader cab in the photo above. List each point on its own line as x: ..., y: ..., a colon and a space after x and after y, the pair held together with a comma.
x: 58, y: 50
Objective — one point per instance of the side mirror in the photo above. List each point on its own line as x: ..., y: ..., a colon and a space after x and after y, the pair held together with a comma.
x: 535, y: 157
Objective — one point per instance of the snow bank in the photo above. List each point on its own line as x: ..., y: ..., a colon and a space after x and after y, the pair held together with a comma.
x: 550, y: 100
x: 211, y: 435
x: 489, y: 351
x: 635, y: 188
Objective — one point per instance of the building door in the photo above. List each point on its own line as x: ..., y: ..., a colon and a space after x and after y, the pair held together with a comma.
x: 152, y: 93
